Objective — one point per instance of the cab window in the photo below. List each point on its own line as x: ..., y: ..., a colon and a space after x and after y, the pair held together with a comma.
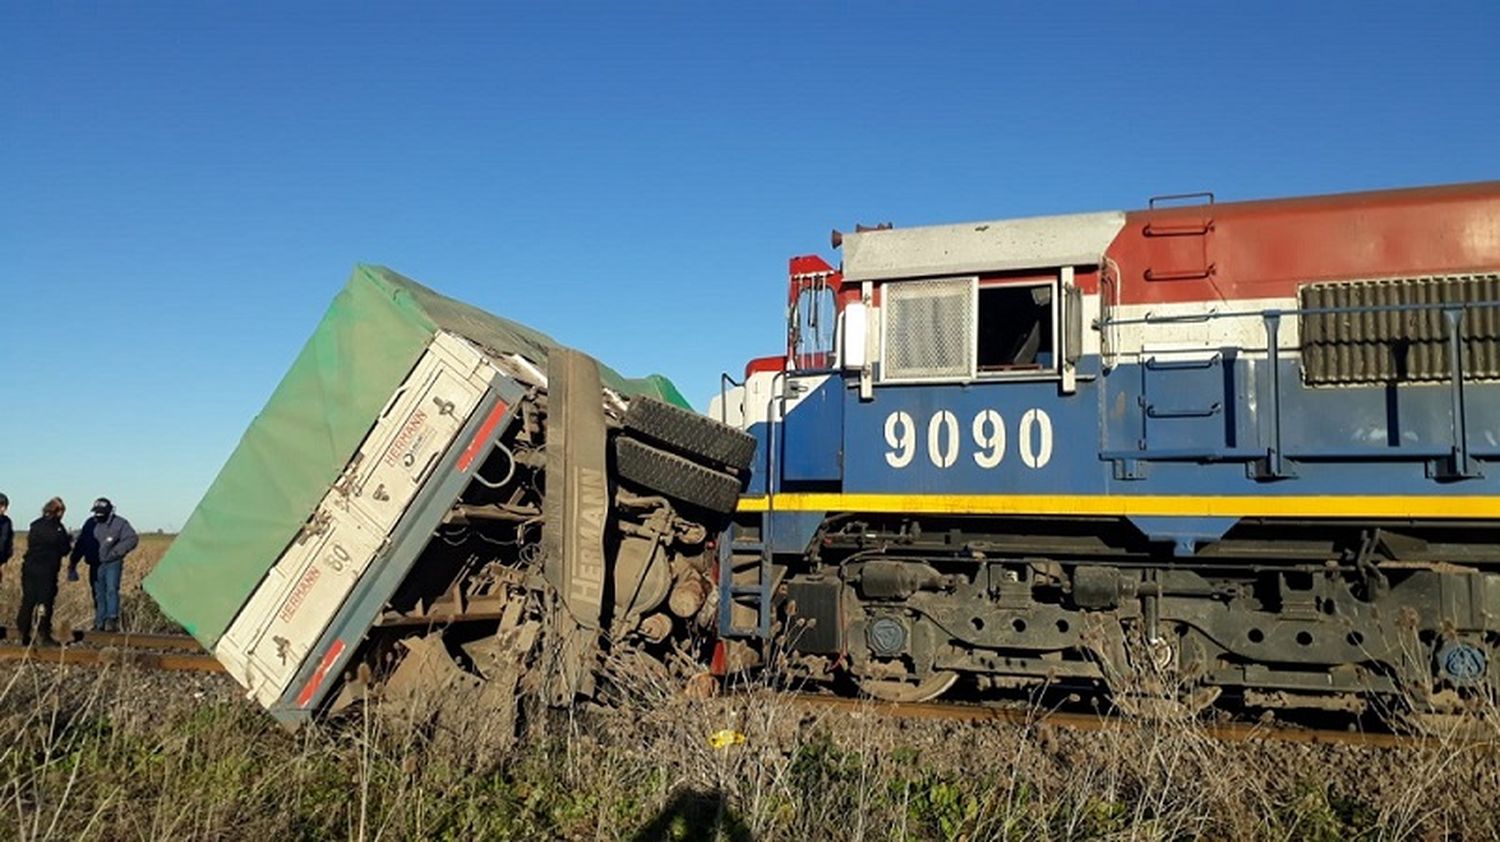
x: 1015, y: 329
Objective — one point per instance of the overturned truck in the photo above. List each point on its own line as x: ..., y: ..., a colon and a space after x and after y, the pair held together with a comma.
x: 433, y: 491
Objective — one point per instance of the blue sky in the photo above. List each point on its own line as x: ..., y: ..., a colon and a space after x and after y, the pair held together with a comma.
x: 183, y: 187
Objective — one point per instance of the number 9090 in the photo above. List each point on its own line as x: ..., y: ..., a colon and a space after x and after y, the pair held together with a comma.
x: 986, y: 431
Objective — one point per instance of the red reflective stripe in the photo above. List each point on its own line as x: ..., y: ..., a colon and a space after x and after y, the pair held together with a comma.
x: 312, y: 685
x: 485, y: 431
x: 719, y: 663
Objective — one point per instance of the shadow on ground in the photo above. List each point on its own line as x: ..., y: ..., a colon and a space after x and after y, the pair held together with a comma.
x: 692, y: 815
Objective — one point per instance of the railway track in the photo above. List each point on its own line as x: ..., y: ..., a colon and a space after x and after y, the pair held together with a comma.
x: 181, y: 653
x: 1234, y: 732
x: 165, y: 652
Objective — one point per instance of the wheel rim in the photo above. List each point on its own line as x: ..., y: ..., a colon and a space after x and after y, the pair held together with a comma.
x: 925, y: 690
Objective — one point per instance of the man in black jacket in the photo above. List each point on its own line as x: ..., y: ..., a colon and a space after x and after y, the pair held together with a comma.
x: 47, y: 544
x: 7, y: 533
x: 86, y: 548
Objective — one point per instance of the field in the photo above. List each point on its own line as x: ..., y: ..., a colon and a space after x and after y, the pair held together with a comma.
x: 122, y: 754
x: 75, y: 607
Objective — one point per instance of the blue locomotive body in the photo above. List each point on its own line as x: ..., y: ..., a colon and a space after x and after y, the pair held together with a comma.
x: 1183, y: 443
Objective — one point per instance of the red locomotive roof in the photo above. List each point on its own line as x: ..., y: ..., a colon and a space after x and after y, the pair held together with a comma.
x: 1266, y: 248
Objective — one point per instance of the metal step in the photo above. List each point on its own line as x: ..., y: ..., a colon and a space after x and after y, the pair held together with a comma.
x: 744, y: 561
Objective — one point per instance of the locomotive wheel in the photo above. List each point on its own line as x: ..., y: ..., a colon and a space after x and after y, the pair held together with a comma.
x: 902, y: 692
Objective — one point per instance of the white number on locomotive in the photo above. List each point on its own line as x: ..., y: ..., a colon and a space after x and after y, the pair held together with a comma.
x: 1033, y: 439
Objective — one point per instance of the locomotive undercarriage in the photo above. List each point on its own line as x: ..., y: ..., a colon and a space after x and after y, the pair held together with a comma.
x: 1397, y: 618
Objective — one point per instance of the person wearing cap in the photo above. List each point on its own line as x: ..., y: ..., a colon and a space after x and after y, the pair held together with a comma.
x: 116, y: 538
x: 7, y: 532
x: 46, y: 545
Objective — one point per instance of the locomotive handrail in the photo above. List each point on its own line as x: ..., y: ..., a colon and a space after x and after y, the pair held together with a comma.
x: 725, y: 381
x: 1183, y: 365
x: 1150, y: 318
x: 775, y: 413
x: 1177, y: 197
x: 1273, y: 465
x: 1153, y: 411
x: 1275, y: 468
x: 768, y: 520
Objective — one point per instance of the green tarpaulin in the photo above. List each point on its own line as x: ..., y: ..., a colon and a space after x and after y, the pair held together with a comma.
x: 373, y: 333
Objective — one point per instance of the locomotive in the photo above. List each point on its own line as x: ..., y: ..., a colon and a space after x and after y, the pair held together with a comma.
x: 1202, y: 453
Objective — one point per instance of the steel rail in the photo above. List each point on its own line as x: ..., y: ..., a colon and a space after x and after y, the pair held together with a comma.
x: 110, y: 656
x: 153, y: 651
x: 128, y: 639
x: 133, y: 640
x: 1233, y: 732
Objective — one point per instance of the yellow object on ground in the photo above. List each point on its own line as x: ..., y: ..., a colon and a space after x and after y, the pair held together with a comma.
x: 725, y: 738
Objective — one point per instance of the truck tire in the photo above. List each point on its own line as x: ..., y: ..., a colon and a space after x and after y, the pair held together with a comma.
x: 696, y: 436
x: 673, y: 476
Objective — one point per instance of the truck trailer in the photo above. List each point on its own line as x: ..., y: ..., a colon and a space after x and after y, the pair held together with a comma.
x: 431, y: 478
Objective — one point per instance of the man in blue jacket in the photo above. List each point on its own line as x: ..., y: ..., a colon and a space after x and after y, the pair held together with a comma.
x: 115, y: 539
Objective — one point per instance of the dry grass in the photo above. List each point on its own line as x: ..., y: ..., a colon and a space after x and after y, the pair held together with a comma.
x: 121, y: 754
x: 125, y: 755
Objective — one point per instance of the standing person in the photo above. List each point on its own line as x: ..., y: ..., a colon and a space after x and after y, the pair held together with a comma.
x: 7, y: 533
x: 46, y: 545
x: 116, y: 538
x: 86, y: 547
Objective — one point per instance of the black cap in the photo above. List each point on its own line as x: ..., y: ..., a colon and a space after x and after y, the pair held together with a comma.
x: 102, y: 506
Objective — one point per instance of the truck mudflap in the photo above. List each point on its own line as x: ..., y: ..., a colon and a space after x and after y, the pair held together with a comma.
x: 574, y: 512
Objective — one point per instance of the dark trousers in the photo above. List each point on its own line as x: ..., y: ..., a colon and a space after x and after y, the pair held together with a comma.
x: 38, y: 589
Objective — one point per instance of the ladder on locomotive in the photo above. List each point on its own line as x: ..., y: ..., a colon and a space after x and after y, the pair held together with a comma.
x: 745, y: 570
x: 746, y: 566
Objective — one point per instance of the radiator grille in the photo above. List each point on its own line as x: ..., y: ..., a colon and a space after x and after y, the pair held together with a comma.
x: 1404, y: 346
x: 929, y: 329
